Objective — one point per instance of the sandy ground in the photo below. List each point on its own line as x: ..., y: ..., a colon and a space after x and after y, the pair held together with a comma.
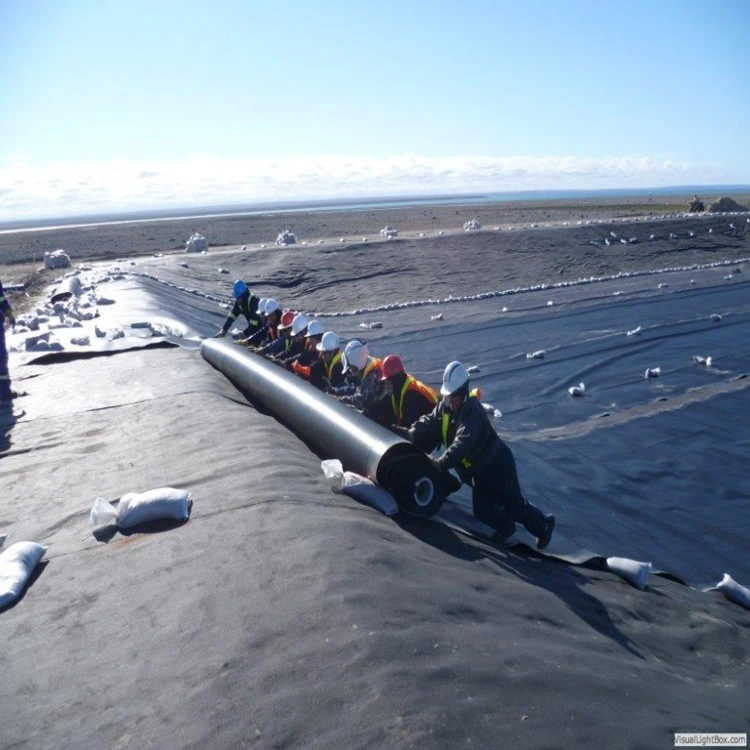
x: 283, y: 615
x: 21, y: 253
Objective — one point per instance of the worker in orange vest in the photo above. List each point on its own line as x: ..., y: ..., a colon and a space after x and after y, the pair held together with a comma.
x: 410, y: 398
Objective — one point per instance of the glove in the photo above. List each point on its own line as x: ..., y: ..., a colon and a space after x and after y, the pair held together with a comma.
x: 220, y: 334
x: 400, y: 430
x: 450, y: 483
x: 242, y: 342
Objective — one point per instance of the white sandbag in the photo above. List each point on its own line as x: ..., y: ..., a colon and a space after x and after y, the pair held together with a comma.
x: 102, y: 513
x: 136, y: 508
x: 334, y: 471
x: 358, y: 487
x: 16, y: 566
x: 734, y: 591
x: 632, y: 571
x: 196, y: 244
x: 57, y: 259
x: 362, y: 489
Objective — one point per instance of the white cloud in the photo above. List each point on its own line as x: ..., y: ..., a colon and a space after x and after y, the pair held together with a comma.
x: 65, y: 189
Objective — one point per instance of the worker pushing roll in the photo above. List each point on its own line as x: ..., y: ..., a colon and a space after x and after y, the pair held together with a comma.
x: 270, y: 314
x: 410, y: 399
x: 362, y: 388
x: 283, y: 339
x: 302, y: 363
x: 296, y: 342
x: 482, y: 460
x: 326, y: 371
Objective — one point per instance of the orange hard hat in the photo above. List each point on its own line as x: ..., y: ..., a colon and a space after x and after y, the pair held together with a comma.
x: 286, y: 319
x: 392, y: 365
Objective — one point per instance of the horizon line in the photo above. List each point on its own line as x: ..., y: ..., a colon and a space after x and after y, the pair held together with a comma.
x: 242, y: 208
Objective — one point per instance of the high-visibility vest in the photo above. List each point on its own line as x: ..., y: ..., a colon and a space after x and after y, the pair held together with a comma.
x: 372, y: 363
x: 476, y: 393
x: 244, y: 310
x: 412, y: 384
x: 334, y: 359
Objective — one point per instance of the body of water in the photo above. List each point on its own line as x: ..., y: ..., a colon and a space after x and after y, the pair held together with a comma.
x: 358, y: 204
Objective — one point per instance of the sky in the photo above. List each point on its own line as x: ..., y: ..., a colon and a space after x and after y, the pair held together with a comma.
x: 112, y: 106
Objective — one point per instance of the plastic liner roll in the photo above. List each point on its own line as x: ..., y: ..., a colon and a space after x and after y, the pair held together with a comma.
x: 70, y: 287
x: 332, y: 428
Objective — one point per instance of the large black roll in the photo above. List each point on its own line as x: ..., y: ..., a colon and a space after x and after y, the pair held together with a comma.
x: 69, y: 287
x: 334, y: 429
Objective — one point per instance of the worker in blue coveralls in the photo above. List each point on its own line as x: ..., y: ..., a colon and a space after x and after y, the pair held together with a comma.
x: 245, y: 303
x: 6, y: 313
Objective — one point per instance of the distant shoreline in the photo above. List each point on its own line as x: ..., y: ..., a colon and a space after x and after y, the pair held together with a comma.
x: 22, y: 252
x: 200, y: 213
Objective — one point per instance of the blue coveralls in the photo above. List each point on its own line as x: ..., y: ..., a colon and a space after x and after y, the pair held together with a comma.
x: 5, y: 309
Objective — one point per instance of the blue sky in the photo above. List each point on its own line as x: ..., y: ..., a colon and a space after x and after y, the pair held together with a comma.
x: 117, y: 105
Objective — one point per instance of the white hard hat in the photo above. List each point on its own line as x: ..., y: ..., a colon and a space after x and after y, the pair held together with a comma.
x: 454, y: 378
x: 262, y: 305
x: 356, y: 355
x: 299, y: 324
x: 314, y: 328
x: 329, y: 343
x: 271, y: 306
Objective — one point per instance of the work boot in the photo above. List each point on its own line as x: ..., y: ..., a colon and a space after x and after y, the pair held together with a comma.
x: 549, y: 526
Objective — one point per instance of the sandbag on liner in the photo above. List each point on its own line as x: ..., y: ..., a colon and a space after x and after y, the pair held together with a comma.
x: 359, y: 487
x: 16, y: 565
x: 136, y: 508
x: 734, y: 591
x: 632, y: 571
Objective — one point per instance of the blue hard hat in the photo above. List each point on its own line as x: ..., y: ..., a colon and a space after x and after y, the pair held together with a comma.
x: 239, y: 288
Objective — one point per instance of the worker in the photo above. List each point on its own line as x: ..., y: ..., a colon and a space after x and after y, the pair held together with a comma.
x: 481, y: 458
x: 7, y: 394
x: 268, y: 332
x: 326, y: 370
x: 296, y: 343
x: 300, y: 363
x: 332, y: 357
x: 284, y: 336
x: 312, y: 339
x: 245, y: 303
x: 362, y: 388
x: 410, y: 398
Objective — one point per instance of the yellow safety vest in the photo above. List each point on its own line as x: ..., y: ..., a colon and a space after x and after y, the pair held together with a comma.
x: 446, y: 420
x: 336, y: 358
x: 412, y: 384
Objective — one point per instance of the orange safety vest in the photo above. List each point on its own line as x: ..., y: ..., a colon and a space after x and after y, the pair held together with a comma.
x: 412, y: 384
x: 372, y: 363
x: 476, y: 393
